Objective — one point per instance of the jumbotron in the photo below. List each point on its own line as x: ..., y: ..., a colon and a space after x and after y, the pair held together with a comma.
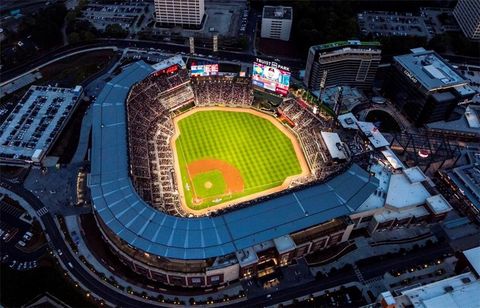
x: 196, y: 183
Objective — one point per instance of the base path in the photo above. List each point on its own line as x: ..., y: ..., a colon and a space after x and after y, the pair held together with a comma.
x: 286, y: 183
x: 232, y: 176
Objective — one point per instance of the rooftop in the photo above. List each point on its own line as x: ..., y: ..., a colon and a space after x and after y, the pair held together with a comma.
x: 468, y: 123
x: 139, y: 225
x: 348, y: 121
x: 32, y: 127
x: 402, y: 193
x: 373, y: 134
x: 277, y: 12
x: 393, y: 159
x: 438, y: 204
x: 348, y: 43
x: 415, y: 174
x: 462, y: 291
x: 473, y: 257
x: 334, y: 145
x: 284, y: 244
x: 428, y: 68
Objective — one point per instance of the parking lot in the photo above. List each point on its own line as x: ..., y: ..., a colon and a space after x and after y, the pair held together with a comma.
x: 381, y: 24
x: 126, y: 15
x: 21, y: 242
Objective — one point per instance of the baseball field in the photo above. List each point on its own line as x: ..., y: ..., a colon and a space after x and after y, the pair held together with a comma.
x: 226, y: 155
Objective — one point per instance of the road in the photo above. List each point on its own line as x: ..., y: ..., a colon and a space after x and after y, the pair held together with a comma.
x: 411, y: 258
x: 119, y: 43
x: 82, y: 275
x: 118, y: 297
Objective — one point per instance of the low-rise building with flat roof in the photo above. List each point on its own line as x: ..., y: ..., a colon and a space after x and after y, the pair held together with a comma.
x: 467, y: 126
x: 33, y: 126
x: 462, y: 291
x: 464, y: 182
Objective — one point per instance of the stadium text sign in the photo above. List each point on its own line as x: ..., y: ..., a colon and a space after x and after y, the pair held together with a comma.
x: 272, y: 64
x: 271, y: 76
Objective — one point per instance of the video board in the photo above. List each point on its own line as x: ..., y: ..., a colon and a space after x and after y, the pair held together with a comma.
x: 204, y: 70
x: 271, y: 76
x: 168, y: 70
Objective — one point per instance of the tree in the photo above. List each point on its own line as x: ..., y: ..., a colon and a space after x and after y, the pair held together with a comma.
x: 74, y: 37
x: 115, y: 30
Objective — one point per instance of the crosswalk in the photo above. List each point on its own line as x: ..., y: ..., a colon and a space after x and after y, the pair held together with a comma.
x: 42, y: 211
x: 359, y: 274
x: 7, y: 208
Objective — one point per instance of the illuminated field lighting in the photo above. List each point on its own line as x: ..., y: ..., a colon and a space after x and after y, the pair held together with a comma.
x: 423, y: 153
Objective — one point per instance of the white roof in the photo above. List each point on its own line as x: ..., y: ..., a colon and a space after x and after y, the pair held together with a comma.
x: 388, y: 297
x: 392, y: 159
x: 373, y: 134
x: 348, y: 117
x: 472, y: 116
x: 438, y: 204
x: 415, y: 174
x: 284, y: 244
x: 402, y: 193
x: 462, y: 291
x: 334, y: 145
x: 473, y: 257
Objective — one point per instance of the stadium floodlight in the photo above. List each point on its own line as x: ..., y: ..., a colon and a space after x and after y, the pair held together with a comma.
x: 192, y: 45
x: 215, y: 43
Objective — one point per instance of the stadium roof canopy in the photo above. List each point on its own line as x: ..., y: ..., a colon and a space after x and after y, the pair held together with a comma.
x: 156, y: 232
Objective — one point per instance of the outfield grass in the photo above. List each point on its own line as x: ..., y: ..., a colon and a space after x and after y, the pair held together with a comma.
x: 262, y: 153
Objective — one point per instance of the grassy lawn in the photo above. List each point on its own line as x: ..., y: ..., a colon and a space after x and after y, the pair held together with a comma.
x: 209, y: 184
x: 72, y: 71
x: 263, y: 154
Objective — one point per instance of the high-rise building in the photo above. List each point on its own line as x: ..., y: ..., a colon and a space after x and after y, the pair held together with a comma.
x: 467, y: 14
x: 277, y: 22
x: 187, y: 13
x: 350, y: 63
x: 425, y: 87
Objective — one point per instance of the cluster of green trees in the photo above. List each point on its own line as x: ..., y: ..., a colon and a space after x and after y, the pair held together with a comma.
x: 79, y: 30
x: 321, y: 22
x: 44, y: 26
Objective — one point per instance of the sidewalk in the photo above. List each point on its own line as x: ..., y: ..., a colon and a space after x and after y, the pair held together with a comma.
x: 364, y: 250
x: 73, y: 225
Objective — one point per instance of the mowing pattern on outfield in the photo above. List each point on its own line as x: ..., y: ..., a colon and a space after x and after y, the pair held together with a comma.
x: 257, y: 153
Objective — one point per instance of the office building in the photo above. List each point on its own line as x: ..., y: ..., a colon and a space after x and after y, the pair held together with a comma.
x: 277, y: 22
x: 349, y: 63
x: 425, y: 87
x: 463, y: 181
x: 186, y: 13
x: 467, y: 14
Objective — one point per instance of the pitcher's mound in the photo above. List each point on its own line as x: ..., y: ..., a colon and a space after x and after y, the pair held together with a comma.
x: 208, y: 185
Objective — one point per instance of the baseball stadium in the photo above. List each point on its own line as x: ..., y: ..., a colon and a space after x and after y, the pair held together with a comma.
x: 194, y: 184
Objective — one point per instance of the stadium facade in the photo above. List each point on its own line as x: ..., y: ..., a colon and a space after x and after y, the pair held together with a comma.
x: 212, y: 250
x: 350, y: 63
